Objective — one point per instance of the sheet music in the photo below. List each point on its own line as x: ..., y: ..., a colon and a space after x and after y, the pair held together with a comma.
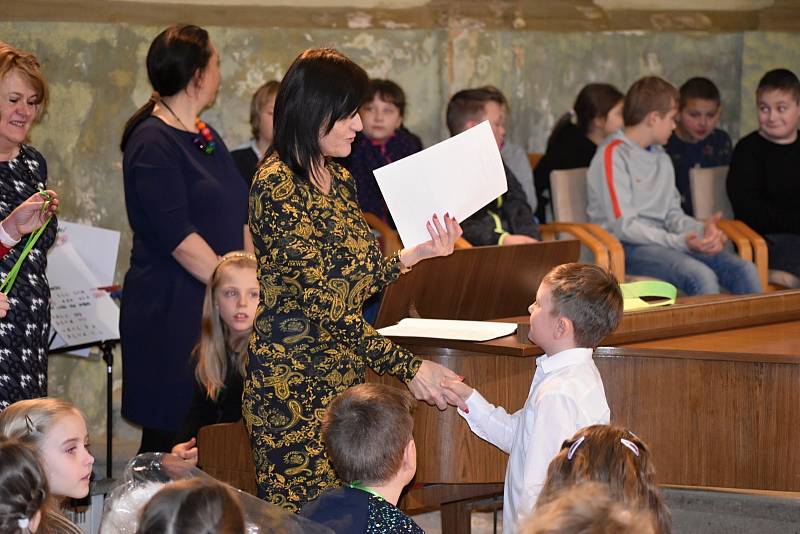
x: 449, y: 329
x: 79, y: 313
x: 459, y: 176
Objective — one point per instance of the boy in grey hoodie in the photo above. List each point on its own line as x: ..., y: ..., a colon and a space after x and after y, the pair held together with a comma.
x: 632, y: 194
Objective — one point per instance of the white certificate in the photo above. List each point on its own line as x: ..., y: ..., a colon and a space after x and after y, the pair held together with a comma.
x: 458, y: 176
x: 449, y: 329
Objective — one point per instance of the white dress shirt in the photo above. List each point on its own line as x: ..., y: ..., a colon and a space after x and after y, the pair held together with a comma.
x: 566, y: 395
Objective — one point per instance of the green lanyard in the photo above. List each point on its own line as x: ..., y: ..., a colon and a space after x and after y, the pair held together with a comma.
x: 8, y: 283
x: 357, y: 484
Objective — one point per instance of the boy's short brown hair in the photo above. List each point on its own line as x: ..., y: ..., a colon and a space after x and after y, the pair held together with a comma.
x: 366, y: 428
x: 699, y: 88
x: 780, y: 80
x: 587, y: 295
x: 470, y: 105
x: 646, y: 95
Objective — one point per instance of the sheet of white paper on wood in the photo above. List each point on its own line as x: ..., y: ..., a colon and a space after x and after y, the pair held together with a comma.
x: 459, y: 176
x: 449, y: 329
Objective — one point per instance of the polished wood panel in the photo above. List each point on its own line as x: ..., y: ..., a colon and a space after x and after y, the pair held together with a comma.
x: 225, y: 454
x: 475, y: 283
x: 723, y: 421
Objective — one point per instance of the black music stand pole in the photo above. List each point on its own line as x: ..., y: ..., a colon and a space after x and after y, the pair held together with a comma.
x: 107, y: 348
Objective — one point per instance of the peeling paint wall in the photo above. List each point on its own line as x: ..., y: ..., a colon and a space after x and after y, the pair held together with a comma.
x: 98, y: 79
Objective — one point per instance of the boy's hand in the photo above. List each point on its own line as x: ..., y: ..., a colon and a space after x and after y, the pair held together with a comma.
x: 186, y: 451
x: 427, y: 385
x: 459, y: 388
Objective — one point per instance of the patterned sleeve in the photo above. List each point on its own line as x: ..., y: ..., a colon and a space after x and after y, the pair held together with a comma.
x: 283, y: 229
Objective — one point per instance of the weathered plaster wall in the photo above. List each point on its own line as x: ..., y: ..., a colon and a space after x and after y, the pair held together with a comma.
x: 97, y: 77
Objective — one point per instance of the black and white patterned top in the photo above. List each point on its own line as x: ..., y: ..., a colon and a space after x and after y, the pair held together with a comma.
x: 24, y: 331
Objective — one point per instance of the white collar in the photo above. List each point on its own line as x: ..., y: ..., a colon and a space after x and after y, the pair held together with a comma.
x: 565, y: 358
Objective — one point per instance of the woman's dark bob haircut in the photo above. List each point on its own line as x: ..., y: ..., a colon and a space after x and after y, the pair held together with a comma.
x: 321, y: 87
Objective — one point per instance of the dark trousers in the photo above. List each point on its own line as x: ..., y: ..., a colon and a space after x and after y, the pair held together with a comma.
x: 784, y: 252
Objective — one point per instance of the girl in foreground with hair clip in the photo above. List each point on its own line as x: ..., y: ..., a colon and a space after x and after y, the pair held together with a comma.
x: 614, y: 457
x: 228, y: 311
x: 23, y: 488
x: 57, y: 430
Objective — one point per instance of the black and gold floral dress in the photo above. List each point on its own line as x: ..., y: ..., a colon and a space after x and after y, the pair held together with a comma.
x: 317, y: 263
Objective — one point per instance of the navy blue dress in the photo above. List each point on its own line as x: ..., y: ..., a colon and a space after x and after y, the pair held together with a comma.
x: 171, y: 190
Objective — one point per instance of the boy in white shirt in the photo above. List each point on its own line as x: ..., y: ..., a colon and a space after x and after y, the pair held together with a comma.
x: 576, y: 306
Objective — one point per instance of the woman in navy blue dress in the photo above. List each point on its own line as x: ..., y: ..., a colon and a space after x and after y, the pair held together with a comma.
x: 187, y: 205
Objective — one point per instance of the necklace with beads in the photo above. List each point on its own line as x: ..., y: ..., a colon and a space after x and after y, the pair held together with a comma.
x: 205, y: 140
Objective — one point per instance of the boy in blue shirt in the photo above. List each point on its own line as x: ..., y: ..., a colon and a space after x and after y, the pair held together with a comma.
x: 367, y: 431
x: 696, y: 141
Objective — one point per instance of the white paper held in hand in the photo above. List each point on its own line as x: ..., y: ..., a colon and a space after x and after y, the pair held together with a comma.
x: 458, y: 176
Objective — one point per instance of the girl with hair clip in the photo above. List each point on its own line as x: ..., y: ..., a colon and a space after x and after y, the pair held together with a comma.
x: 596, y: 114
x: 57, y: 430
x: 193, y: 506
x: 23, y: 488
x: 228, y: 311
x: 615, y: 457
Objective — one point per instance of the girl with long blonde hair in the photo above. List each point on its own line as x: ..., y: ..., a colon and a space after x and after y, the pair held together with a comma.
x: 228, y: 311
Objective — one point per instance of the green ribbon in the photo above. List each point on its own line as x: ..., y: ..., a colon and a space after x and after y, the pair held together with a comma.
x: 357, y: 484
x: 8, y: 283
x: 632, y: 293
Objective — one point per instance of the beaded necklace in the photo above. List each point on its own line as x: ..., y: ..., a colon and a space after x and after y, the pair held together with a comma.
x: 205, y: 140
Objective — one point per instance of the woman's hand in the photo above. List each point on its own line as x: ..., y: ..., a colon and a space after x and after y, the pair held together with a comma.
x: 4, y: 307
x: 441, y: 243
x: 30, y: 215
x: 427, y: 386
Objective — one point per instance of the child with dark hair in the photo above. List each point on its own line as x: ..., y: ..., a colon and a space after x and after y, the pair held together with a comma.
x: 383, y: 140
x: 596, y: 114
x: 193, y: 506
x: 696, y: 141
x: 576, y: 306
x: 631, y: 193
x: 367, y: 431
x: 23, y: 488
x: 615, y: 457
x: 763, y: 181
x: 508, y: 220
x: 262, y: 105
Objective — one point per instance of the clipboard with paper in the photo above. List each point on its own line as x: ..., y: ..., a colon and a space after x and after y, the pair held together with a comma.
x: 458, y: 176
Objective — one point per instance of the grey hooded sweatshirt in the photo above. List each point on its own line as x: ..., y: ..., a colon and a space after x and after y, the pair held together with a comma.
x: 639, y: 203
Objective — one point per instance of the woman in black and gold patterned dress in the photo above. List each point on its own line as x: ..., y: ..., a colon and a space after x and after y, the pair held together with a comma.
x: 317, y: 263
